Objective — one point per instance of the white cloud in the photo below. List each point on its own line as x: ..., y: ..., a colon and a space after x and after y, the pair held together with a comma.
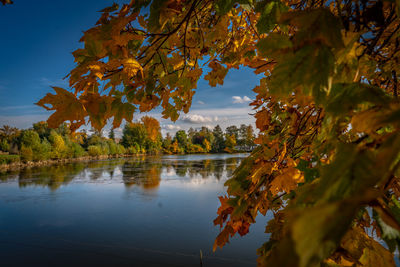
x: 240, y: 100
x: 195, y: 118
x: 200, y: 102
x: 171, y: 127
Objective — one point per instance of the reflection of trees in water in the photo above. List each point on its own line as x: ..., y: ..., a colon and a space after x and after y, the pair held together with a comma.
x: 231, y: 165
x: 205, y: 168
x: 52, y: 177
x: 144, y: 172
x: 97, y: 169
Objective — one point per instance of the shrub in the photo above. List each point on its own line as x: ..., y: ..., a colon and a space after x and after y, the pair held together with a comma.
x: 42, y: 151
x: 26, y: 153
x: 194, y: 148
x: 132, y: 150
x: 4, y: 145
x: 121, y: 149
x: 76, y: 150
x: 7, y: 159
x: 112, y: 147
x: 30, y: 138
x: 104, y: 149
x: 58, y: 144
x: 95, y: 150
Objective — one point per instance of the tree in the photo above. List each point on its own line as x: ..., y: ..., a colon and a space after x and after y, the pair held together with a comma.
x: 134, y: 134
x: 230, y: 143
x: 42, y: 129
x: 233, y: 130
x: 249, y: 137
x: 153, y: 130
x: 206, y: 145
x: 182, y: 139
x: 111, y: 135
x: 242, y: 134
x: 219, y: 143
x: 167, y: 142
x: 326, y: 108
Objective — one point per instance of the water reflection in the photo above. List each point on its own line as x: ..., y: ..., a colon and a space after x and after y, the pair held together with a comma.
x: 142, y: 211
x: 143, y: 172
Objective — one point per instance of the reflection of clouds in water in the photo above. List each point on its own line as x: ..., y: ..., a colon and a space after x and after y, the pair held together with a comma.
x: 168, y: 172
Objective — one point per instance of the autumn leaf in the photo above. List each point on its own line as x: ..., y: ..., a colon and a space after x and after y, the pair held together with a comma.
x: 67, y: 108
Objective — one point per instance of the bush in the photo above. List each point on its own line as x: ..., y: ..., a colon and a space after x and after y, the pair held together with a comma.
x: 26, y: 153
x: 30, y: 138
x: 8, y: 159
x: 105, y: 149
x: 121, y: 149
x: 132, y: 150
x: 95, y: 150
x: 112, y: 147
x: 4, y: 145
x: 76, y: 150
x: 42, y: 151
x: 192, y: 148
x: 58, y: 144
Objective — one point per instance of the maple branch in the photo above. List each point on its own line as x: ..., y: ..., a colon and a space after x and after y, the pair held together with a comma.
x: 394, y: 74
x: 187, y: 17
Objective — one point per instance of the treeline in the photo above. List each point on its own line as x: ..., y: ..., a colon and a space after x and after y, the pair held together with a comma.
x: 143, y: 137
x: 204, y: 140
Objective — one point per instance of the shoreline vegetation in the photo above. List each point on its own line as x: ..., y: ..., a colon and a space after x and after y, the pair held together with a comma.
x: 41, y: 145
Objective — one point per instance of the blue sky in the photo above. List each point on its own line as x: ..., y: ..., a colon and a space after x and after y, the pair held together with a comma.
x: 37, y: 38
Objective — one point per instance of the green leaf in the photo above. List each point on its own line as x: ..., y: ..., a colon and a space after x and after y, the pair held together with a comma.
x: 154, y: 18
x: 308, y: 68
x: 273, y: 43
x: 344, y: 97
x: 317, y: 25
x: 223, y: 6
x: 270, y: 13
x: 317, y: 231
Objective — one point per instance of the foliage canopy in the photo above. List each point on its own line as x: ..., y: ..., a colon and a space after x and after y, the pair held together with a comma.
x: 327, y: 110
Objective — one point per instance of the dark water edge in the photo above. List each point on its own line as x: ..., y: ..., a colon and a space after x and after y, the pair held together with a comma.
x: 142, y: 211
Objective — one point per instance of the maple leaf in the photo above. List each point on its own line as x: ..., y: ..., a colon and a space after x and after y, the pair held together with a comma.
x: 67, y: 108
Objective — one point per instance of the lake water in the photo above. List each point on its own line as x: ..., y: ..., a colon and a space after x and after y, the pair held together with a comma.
x: 144, y: 211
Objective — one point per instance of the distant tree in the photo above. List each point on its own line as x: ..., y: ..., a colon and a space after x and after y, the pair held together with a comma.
x: 175, y: 147
x: 42, y: 129
x: 4, y: 145
x: 182, y: 139
x: 242, y: 135
x: 153, y: 128
x: 30, y: 138
x: 218, y: 144
x: 64, y: 129
x: 134, y: 134
x: 9, y: 133
x: 249, y: 136
x: 111, y: 135
x: 59, y: 149
x: 230, y: 143
x: 190, y: 134
x: 206, y: 145
x: 166, y: 143
x: 233, y: 130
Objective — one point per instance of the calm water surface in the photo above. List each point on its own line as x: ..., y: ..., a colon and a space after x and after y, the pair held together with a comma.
x: 150, y: 211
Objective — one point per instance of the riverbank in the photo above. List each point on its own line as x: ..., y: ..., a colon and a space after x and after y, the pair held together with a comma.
x: 23, y: 165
